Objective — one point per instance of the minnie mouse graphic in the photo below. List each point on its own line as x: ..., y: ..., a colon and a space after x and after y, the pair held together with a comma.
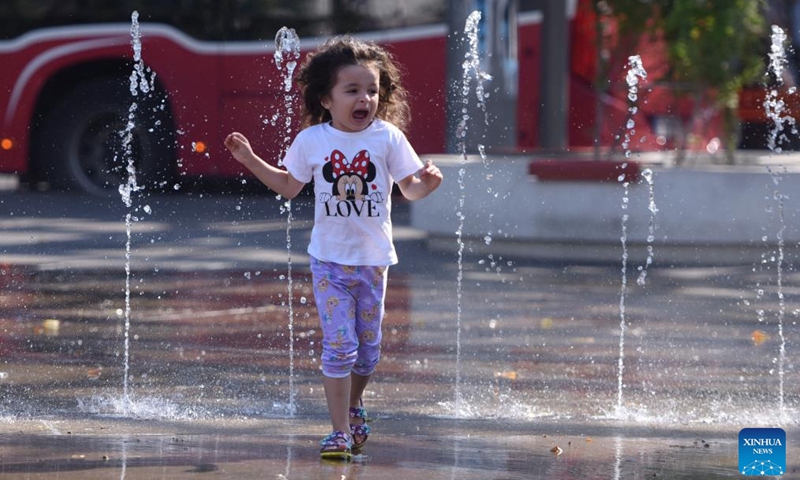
x: 350, y: 177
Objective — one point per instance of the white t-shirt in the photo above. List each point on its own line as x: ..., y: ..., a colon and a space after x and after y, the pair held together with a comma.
x: 353, y: 174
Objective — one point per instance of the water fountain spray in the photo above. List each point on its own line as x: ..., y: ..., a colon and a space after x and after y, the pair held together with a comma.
x: 287, y: 49
x: 140, y: 82
x: 775, y: 107
x: 635, y: 72
x: 471, y: 69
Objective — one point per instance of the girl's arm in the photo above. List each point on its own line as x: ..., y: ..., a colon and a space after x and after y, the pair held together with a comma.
x: 281, y: 181
x: 415, y: 188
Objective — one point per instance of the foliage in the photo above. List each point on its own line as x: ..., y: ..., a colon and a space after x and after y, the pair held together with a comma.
x: 711, y: 44
x: 717, y: 44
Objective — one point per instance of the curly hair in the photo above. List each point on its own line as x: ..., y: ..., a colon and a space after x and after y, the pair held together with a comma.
x: 317, y: 76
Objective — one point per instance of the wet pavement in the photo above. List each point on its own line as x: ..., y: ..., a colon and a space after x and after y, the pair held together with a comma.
x: 408, y: 447
x: 517, y: 380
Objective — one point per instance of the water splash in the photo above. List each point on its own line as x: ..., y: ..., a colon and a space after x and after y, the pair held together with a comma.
x: 774, y: 107
x: 140, y: 82
x: 779, y: 197
x: 623, y: 291
x: 647, y: 174
x: 144, y: 408
x: 635, y: 72
x: 471, y: 68
x: 287, y: 53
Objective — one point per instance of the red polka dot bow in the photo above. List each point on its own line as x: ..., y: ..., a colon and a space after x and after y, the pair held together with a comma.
x: 359, y: 165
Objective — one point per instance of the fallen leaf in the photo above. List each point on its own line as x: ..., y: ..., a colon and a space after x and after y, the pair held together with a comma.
x: 758, y: 337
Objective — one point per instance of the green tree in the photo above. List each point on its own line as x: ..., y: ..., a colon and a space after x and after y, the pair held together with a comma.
x: 718, y: 45
x: 712, y: 46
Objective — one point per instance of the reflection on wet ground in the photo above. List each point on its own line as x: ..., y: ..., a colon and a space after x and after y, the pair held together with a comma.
x: 408, y: 447
x: 210, y: 391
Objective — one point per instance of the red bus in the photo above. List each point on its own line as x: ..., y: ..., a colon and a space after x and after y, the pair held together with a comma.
x: 64, y: 88
x: 64, y: 92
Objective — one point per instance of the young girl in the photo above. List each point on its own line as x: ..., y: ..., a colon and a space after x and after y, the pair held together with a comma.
x: 354, y: 150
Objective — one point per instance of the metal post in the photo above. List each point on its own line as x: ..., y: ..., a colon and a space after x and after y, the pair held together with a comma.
x: 457, y: 13
x: 501, y: 105
x: 554, y: 77
x: 496, y: 127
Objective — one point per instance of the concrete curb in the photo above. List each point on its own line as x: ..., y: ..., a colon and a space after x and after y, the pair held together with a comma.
x: 705, y: 213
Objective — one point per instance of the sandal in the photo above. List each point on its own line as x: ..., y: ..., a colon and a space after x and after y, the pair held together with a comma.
x: 337, y: 445
x: 359, y: 430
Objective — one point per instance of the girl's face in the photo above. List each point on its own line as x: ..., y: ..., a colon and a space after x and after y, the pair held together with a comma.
x: 353, y: 100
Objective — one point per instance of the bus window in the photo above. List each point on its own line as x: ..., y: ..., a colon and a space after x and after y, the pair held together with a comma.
x: 197, y: 18
x: 251, y: 20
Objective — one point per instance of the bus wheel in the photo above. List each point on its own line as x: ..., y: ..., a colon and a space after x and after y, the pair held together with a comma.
x: 81, y: 144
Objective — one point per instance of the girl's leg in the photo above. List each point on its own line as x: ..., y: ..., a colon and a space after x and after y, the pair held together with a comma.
x: 336, y: 308
x: 337, y: 393
x: 370, y: 294
x: 358, y: 383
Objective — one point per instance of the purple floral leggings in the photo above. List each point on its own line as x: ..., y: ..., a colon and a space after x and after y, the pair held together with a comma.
x: 350, y: 302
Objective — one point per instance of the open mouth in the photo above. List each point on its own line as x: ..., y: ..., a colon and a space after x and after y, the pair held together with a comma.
x: 361, y: 114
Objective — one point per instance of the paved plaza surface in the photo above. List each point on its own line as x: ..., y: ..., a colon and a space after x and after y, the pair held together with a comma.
x: 494, y: 367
